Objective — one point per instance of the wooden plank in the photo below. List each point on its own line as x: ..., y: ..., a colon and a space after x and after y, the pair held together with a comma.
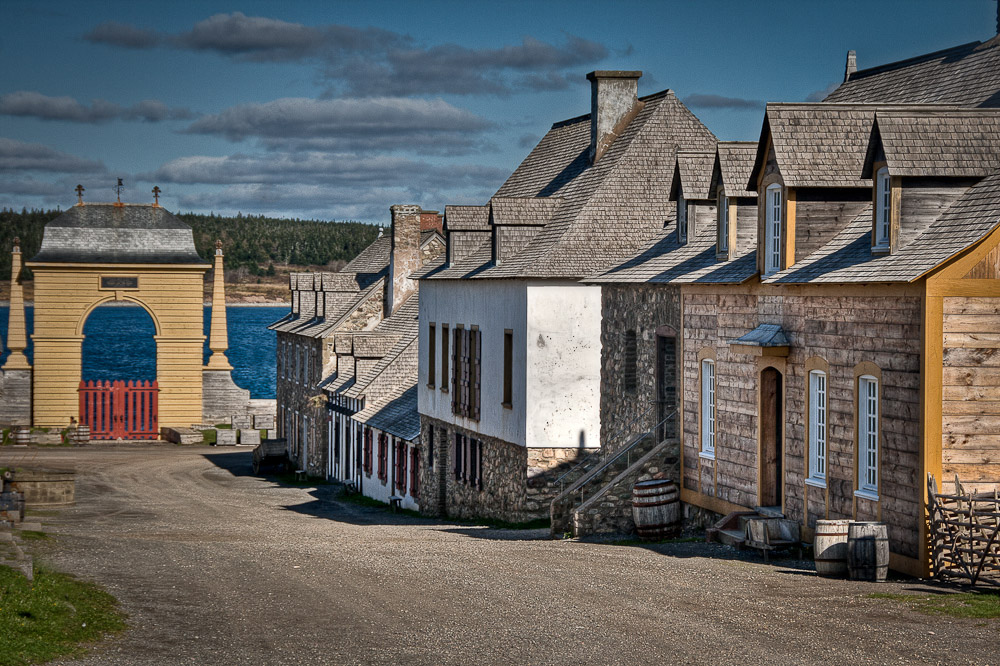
x: 972, y: 305
x: 971, y: 425
x: 970, y: 377
x: 971, y: 323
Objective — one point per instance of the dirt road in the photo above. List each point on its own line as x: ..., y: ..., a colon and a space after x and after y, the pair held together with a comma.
x: 216, y: 566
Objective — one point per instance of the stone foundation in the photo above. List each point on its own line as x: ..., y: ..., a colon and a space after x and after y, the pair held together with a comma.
x: 15, y: 397
x: 517, y: 483
x: 221, y: 397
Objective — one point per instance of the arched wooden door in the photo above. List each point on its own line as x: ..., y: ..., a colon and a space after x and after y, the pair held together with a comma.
x: 771, y: 440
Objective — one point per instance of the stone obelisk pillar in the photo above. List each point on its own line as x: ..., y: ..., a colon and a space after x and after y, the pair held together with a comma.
x: 17, y: 337
x: 218, y: 337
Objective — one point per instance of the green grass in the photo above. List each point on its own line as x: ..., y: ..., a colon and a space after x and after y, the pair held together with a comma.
x: 56, y: 615
x: 33, y: 535
x: 980, y: 605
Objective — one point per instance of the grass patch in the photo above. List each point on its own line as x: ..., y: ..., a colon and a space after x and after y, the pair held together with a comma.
x: 208, y: 437
x: 979, y: 605
x: 635, y: 541
x: 33, y: 535
x: 55, y: 616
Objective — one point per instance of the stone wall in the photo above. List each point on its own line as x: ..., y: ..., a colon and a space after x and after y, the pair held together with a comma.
x: 643, y: 309
x: 15, y: 397
x: 294, y: 392
x: 517, y: 483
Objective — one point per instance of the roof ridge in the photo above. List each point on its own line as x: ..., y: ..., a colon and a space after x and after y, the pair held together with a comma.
x: 877, y: 69
x: 586, y: 116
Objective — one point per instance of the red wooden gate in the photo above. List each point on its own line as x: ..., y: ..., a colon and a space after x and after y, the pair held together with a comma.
x: 120, y: 410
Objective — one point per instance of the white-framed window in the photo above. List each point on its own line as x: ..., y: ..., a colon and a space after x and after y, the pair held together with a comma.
x: 708, y: 408
x: 723, y: 208
x: 883, y: 208
x: 868, y: 432
x: 817, y: 426
x: 682, y: 218
x: 772, y: 229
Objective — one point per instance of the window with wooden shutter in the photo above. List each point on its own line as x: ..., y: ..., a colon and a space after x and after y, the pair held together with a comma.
x: 475, y: 370
x: 459, y: 467
x: 445, y: 357
x: 631, y: 360
x: 368, y: 451
x: 508, y: 368
x: 868, y: 435
x: 466, y: 377
x: 431, y: 355
x: 399, y: 451
x: 415, y: 472
x: 456, y: 350
x: 383, y: 456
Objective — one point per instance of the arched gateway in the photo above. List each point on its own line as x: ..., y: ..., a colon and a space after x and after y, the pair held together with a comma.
x: 97, y: 253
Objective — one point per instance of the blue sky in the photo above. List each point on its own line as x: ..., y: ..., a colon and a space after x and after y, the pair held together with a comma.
x: 336, y: 110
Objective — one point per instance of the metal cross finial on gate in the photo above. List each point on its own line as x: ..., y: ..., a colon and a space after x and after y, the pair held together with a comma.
x: 79, y: 195
x: 156, y: 195
x: 118, y: 189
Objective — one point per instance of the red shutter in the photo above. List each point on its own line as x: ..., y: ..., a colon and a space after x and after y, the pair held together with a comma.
x: 415, y: 472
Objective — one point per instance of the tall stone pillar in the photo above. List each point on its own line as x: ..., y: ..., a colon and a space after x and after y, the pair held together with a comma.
x: 15, y: 378
x: 220, y: 396
x: 218, y: 337
x: 17, y: 337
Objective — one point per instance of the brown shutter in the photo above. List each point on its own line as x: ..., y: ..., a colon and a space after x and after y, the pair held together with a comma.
x: 477, y: 356
x: 456, y: 347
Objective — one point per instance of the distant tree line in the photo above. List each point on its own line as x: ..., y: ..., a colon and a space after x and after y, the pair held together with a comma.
x: 252, y: 242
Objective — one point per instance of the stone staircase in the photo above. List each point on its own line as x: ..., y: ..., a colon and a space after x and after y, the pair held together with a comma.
x: 597, y: 473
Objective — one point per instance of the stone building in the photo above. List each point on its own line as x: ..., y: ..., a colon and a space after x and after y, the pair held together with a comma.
x: 711, y: 238
x: 510, y: 355
x: 317, y: 360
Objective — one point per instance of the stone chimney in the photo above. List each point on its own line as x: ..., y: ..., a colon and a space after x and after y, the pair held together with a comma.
x: 404, y: 257
x: 614, y: 97
x: 17, y: 335
x: 851, y: 66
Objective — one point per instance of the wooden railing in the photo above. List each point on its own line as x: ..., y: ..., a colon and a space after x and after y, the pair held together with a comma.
x: 965, y: 534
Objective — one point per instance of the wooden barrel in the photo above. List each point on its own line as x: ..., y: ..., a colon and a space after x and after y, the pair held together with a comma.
x: 82, y: 436
x: 868, y: 551
x: 656, y: 509
x: 22, y: 436
x: 830, y: 547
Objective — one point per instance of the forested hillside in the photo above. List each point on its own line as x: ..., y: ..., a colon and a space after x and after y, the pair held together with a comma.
x: 252, y: 242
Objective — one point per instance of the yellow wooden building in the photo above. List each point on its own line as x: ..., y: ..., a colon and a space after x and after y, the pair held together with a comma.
x: 97, y: 253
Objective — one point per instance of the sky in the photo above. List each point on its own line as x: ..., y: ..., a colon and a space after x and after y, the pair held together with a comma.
x: 339, y: 109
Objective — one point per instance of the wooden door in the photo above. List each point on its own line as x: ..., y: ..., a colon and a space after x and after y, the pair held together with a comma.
x: 771, y: 422
x: 666, y: 383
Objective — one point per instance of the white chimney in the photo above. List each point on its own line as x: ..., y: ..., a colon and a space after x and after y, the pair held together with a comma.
x: 852, y: 65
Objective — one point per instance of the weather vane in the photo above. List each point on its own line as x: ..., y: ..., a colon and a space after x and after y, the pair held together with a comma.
x: 118, y: 189
x: 156, y: 195
x: 79, y: 194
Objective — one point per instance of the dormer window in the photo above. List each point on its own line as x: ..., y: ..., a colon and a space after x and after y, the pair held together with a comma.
x: 682, y: 219
x: 772, y: 230
x: 722, y: 206
x: 883, y: 209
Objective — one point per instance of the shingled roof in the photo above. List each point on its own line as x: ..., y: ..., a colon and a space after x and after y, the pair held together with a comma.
x: 848, y: 256
x: 953, y: 143
x: 968, y: 75
x: 664, y: 260
x: 733, y: 164
x: 467, y: 218
x: 610, y: 208
x: 693, y: 174
x: 112, y: 233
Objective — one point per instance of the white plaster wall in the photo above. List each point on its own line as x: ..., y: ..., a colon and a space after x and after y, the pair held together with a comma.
x: 493, y: 305
x: 556, y: 362
x: 372, y: 486
x: 564, y: 365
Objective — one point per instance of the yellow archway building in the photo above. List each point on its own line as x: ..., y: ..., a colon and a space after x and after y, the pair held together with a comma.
x: 98, y: 253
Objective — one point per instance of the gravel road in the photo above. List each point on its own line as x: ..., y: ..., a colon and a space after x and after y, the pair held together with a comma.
x: 216, y: 566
